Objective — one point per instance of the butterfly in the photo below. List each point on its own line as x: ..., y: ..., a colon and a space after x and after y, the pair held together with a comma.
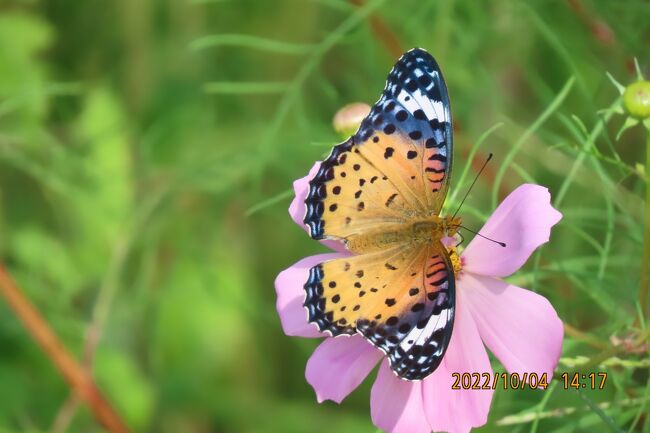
x: 380, y: 193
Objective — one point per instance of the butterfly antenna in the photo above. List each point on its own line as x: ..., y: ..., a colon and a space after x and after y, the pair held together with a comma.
x: 472, y: 185
x: 503, y: 244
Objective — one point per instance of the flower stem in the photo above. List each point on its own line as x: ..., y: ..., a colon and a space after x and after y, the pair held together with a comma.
x: 645, y: 258
x: 78, y: 378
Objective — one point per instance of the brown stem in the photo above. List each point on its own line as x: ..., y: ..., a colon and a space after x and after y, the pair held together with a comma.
x: 383, y: 33
x: 78, y: 379
x: 599, y: 28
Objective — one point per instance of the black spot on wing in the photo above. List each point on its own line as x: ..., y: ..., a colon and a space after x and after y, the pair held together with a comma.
x: 315, y: 303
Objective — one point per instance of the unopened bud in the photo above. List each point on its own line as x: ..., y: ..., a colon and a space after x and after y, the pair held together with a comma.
x: 347, y: 119
x: 636, y: 99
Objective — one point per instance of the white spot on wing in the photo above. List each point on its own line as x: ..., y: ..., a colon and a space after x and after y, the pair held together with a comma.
x: 421, y: 336
x: 411, y: 105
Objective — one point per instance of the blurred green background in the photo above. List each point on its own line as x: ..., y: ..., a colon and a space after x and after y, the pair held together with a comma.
x: 147, y: 150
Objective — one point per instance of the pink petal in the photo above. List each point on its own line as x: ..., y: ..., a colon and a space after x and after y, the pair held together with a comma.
x: 523, y: 221
x: 339, y: 365
x: 458, y: 410
x: 519, y: 326
x: 297, y: 206
x: 289, y: 289
x: 300, y: 189
x: 396, y: 405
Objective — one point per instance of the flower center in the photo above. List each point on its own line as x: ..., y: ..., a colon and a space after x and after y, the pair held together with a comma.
x: 456, y: 260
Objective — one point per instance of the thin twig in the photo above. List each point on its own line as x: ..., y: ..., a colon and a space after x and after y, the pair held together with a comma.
x: 645, y: 259
x: 383, y: 33
x: 529, y: 416
x: 66, y: 414
x: 76, y: 376
x: 104, y: 301
x: 589, y: 339
x: 608, y: 353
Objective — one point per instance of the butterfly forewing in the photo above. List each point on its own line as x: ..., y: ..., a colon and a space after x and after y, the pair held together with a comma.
x: 348, y: 195
x: 410, y: 127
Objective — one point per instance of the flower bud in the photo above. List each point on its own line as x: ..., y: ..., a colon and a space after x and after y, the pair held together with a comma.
x: 347, y: 119
x: 636, y: 99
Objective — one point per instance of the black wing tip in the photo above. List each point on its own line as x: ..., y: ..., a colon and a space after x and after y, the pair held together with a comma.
x: 422, y: 53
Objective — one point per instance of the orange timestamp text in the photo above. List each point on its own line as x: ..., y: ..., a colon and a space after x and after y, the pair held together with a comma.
x: 593, y: 380
x: 499, y: 380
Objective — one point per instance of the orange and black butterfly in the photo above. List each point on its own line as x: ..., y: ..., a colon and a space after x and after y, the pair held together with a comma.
x: 381, y: 193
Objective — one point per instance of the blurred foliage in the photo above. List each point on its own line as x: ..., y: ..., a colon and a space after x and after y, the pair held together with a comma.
x: 147, y: 150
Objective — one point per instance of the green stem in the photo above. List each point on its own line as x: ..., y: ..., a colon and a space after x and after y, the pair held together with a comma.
x: 645, y: 259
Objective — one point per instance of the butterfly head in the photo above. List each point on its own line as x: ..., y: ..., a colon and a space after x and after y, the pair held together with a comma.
x: 450, y: 225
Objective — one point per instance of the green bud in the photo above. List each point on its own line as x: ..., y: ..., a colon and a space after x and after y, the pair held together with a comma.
x: 640, y: 170
x: 636, y: 99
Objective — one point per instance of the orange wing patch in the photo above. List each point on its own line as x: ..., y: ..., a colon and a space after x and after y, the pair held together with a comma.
x: 418, y: 171
x: 349, y: 195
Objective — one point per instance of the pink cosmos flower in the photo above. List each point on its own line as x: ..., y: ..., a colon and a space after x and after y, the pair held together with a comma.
x: 520, y: 327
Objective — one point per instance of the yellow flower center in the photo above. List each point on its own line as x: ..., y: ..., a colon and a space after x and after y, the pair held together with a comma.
x: 456, y: 261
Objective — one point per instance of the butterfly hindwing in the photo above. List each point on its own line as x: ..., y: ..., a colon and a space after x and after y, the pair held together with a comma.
x: 342, y: 291
x: 416, y: 344
x: 401, y: 300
